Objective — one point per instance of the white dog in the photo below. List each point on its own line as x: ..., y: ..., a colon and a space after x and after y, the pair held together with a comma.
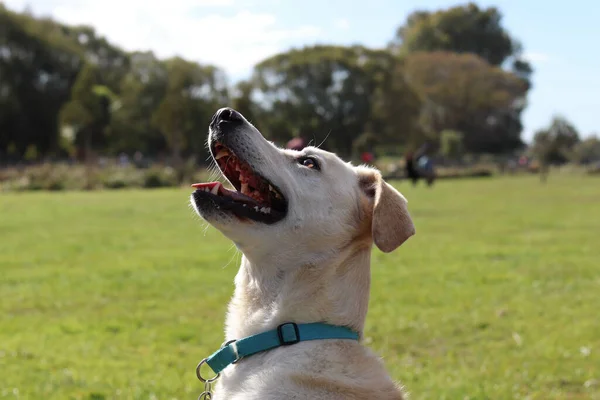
x: 305, y: 222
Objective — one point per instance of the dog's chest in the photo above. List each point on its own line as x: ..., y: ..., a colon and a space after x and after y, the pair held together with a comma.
x: 263, y: 376
x: 250, y: 379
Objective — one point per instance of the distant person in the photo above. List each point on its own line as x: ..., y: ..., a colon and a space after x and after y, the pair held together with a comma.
x: 297, y: 143
x: 123, y: 160
x: 425, y: 164
x: 523, y: 161
x: 511, y: 165
x: 418, y: 165
x: 411, y: 169
x: 367, y: 157
x: 138, y: 159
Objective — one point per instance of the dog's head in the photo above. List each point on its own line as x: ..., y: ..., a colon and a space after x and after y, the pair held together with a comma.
x: 295, y: 206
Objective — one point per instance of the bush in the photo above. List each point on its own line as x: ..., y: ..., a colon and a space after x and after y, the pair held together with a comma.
x: 43, y: 177
x: 64, y: 176
x: 594, y: 169
x: 118, y: 177
x: 156, y: 177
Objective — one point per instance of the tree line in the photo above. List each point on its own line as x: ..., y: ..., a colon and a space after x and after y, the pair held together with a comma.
x: 453, y: 78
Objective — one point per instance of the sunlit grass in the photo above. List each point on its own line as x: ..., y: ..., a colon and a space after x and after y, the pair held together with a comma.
x: 119, y: 294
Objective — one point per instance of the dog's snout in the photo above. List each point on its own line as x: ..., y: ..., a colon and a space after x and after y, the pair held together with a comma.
x: 226, y: 114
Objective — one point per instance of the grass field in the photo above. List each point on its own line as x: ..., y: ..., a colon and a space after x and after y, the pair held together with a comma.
x: 117, y: 295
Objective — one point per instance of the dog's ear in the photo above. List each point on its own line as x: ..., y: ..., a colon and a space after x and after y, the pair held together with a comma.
x: 391, y: 223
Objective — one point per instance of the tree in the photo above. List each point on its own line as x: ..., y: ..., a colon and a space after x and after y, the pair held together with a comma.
x: 111, y: 60
x: 38, y: 65
x: 587, y: 151
x: 396, y: 110
x: 142, y: 89
x: 463, y: 92
x: 462, y: 29
x: 554, y: 144
x: 40, y: 60
x: 243, y: 102
x: 451, y: 145
x: 321, y: 91
x: 192, y: 94
x: 87, y: 112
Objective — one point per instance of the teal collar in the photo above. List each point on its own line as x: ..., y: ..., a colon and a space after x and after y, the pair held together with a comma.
x: 285, y: 335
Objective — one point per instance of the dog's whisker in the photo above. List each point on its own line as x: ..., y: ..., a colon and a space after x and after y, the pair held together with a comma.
x: 214, y: 172
x: 326, y: 137
x: 233, y: 257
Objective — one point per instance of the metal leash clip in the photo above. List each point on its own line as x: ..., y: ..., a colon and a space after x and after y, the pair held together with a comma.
x: 207, y: 393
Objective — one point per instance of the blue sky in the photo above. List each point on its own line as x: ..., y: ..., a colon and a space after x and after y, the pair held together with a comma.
x: 559, y: 38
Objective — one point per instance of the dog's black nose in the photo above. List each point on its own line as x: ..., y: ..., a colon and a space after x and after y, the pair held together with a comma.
x: 226, y: 115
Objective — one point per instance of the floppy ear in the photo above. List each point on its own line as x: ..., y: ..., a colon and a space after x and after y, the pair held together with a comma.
x: 391, y: 224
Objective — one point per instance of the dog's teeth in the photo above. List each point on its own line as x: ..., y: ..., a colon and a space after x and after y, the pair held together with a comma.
x: 222, y: 154
x: 244, y: 205
x: 215, y: 190
x: 256, y: 208
x: 268, y: 210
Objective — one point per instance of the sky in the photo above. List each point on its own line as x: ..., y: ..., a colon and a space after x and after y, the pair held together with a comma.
x: 560, y: 39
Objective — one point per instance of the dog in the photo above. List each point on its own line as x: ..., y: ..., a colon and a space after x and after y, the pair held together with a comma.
x: 305, y: 222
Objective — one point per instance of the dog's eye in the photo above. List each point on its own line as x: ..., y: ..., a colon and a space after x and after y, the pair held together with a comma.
x: 309, y: 162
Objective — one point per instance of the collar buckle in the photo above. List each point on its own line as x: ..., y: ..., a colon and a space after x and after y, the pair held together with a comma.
x: 288, y: 333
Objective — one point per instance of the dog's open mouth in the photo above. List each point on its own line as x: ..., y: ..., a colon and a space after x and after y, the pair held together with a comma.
x: 254, y: 197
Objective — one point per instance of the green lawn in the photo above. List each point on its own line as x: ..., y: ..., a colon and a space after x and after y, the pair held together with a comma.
x: 119, y: 294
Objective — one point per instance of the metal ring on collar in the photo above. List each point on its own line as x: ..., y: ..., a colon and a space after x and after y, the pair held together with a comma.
x: 199, y: 374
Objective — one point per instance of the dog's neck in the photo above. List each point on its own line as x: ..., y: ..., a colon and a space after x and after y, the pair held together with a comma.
x: 333, y: 290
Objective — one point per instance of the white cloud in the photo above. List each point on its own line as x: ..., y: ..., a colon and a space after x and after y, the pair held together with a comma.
x: 536, y: 57
x: 208, y: 31
x: 341, y: 23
